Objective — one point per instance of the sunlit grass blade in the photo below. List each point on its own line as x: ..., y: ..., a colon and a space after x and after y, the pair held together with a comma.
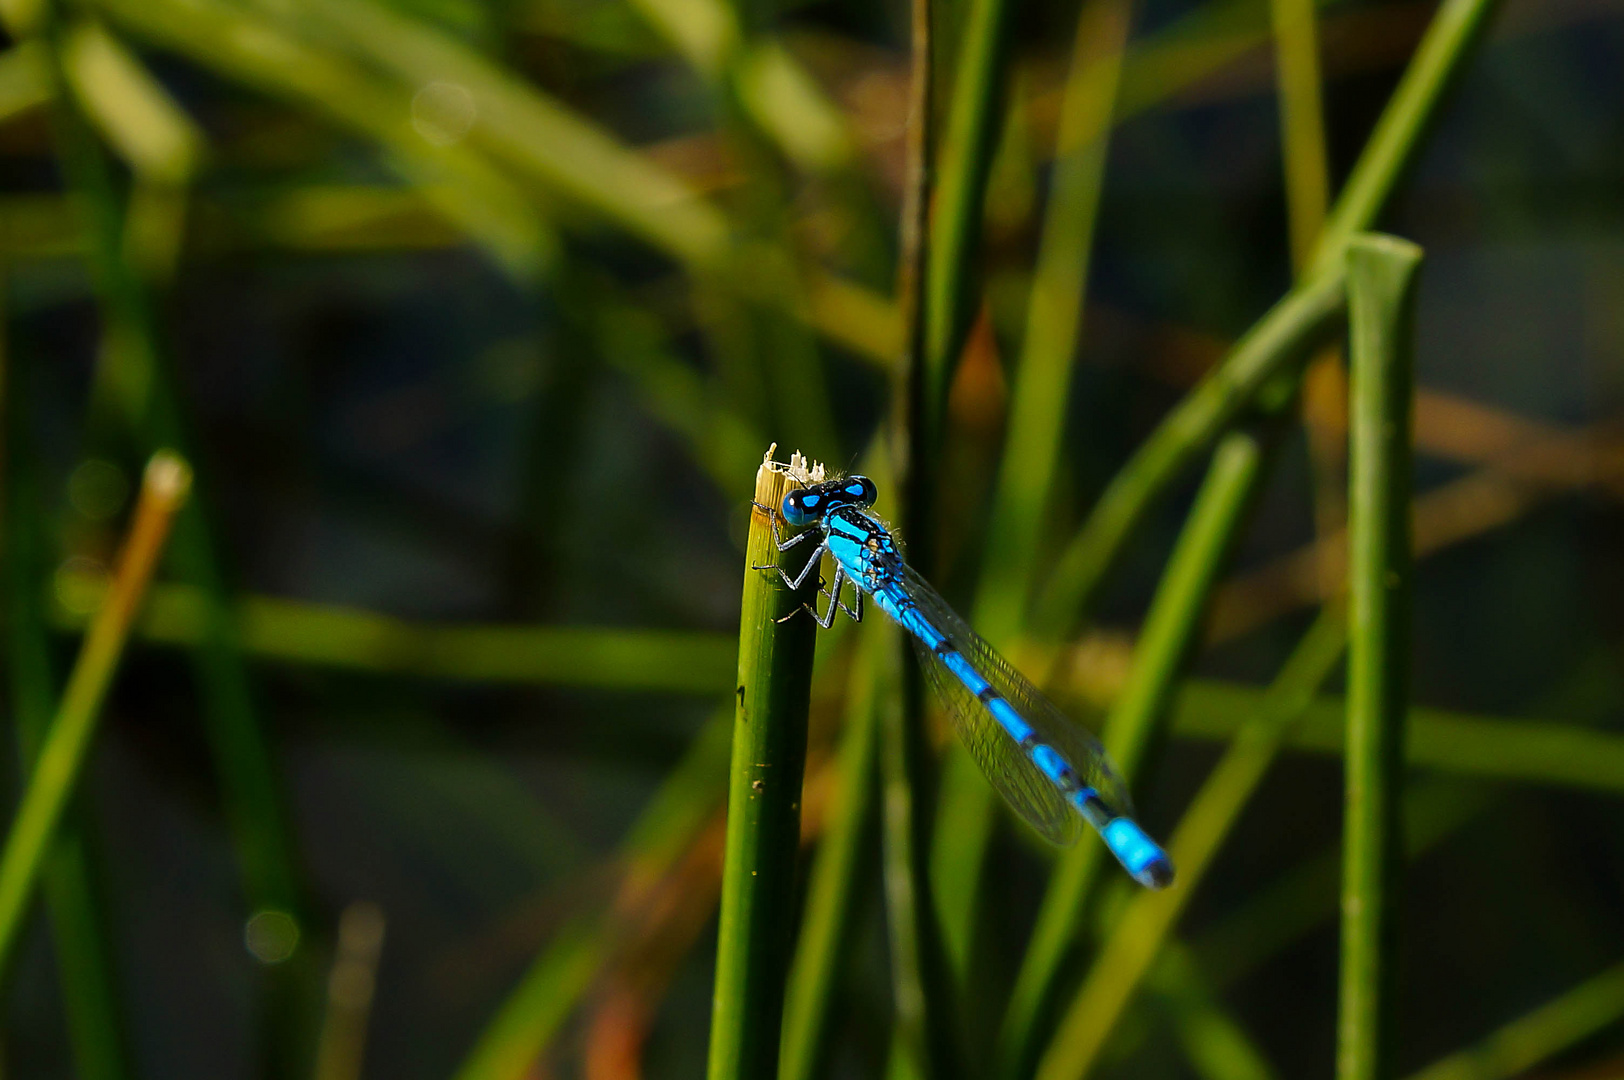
x: 1286, y: 334
x: 129, y: 107
x: 1151, y: 916
x: 1137, y: 716
x: 536, y: 135
x: 67, y: 742
x: 835, y: 888
x: 1382, y: 279
x: 323, y: 635
x: 764, y: 798
x: 249, y: 48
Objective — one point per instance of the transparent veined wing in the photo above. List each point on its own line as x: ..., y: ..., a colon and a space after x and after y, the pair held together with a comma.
x: 1010, y: 770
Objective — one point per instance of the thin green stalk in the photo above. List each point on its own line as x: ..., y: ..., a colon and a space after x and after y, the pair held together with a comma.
x: 1138, y: 935
x: 1451, y: 37
x: 1302, y: 124
x: 78, y: 924
x: 764, y: 799
x: 1525, y: 1042
x: 1054, y: 319
x: 63, y: 752
x: 1171, y: 629
x: 1382, y: 277
x: 968, y: 144
x: 1032, y: 449
x: 835, y: 886
x: 1286, y: 334
x: 1304, y: 317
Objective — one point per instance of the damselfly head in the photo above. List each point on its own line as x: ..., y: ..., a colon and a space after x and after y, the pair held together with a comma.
x: 809, y: 504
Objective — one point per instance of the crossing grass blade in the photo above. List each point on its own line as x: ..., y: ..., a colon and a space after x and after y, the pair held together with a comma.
x: 1135, y: 722
x: 1137, y: 938
x: 1290, y: 330
x: 764, y: 799
x: 66, y: 744
x: 1382, y: 280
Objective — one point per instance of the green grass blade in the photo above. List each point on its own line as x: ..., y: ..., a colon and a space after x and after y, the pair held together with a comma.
x: 322, y: 635
x: 78, y: 925
x: 1302, y: 124
x: 1456, y: 28
x: 62, y: 753
x: 249, y: 48
x: 1546, y: 752
x: 835, y: 888
x: 1151, y: 916
x: 1290, y: 330
x: 1286, y: 334
x: 1037, y: 415
x: 1525, y: 1042
x: 1139, y: 712
x: 764, y: 800
x: 965, y: 162
x: 1042, y: 385
x: 1382, y: 275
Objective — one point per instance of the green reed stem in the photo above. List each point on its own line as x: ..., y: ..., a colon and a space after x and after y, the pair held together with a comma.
x: 78, y: 923
x: 1139, y: 712
x: 1382, y: 275
x: 1286, y: 334
x: 764, y: 800
x: 1525, y: 1042
x: 835, y: 887
x: 62, y: 754
x: 1138, y: 936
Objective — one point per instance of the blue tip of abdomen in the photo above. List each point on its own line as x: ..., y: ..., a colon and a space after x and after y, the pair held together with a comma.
x: 1138, y: 853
